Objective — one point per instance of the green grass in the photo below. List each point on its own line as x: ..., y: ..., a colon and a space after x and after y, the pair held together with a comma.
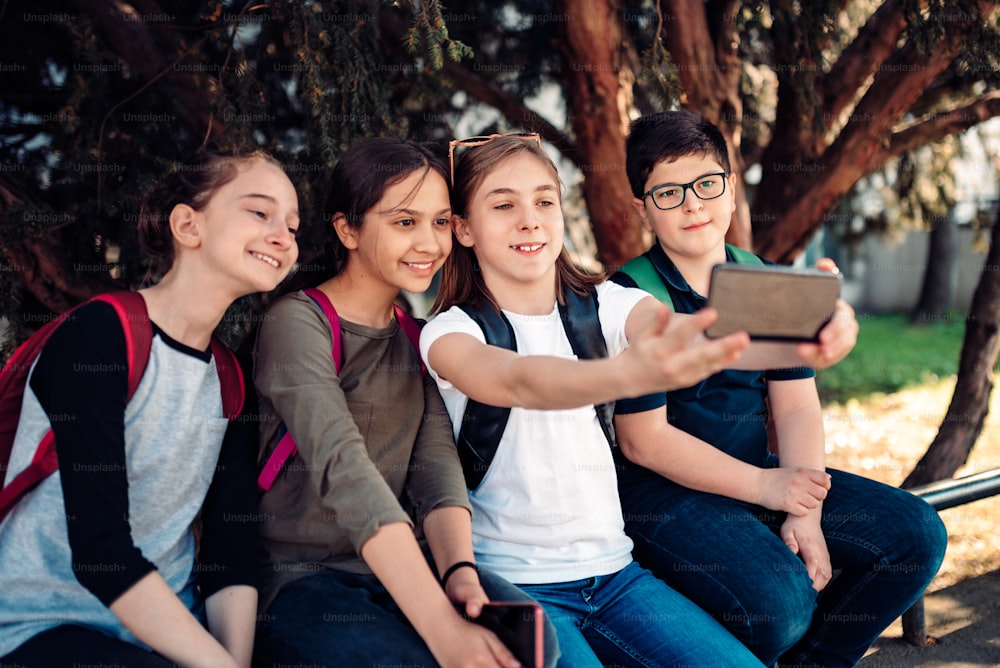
x: 891, y: 355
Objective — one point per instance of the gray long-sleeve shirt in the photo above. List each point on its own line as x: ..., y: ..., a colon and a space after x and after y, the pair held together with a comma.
x: 375, y: 442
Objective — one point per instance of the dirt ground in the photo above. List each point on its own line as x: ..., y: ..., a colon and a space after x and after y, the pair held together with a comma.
x: 882, y: 438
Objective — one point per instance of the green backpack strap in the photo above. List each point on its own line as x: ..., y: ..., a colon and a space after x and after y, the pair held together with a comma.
x: 743, y: 256
x: 642, y: 271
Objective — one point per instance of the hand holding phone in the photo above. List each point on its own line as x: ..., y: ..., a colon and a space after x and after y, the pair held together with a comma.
x: 772, y: 303
x: 519, y: 626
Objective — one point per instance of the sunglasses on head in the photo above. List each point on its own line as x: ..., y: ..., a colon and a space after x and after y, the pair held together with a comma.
x: 486, y: 139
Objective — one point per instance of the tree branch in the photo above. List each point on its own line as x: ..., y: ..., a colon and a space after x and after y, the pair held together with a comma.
x: 874, y: 44
x: 945, y: 92
x: 488, y: 92
x: 598, y: 85
x: 512, y: 108
x: 793, y: 204
x: 939, y: 126
x: 686, y: 34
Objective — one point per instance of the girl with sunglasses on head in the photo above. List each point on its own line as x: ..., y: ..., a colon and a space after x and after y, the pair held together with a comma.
x: 546, y: 513
x: 98, y: 563
x: 345, y: 581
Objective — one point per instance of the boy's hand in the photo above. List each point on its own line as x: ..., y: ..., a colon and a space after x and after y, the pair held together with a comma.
x: 670, y: 353
x: 795, y: 491
x: 838, y: 337
x: 804, y: 537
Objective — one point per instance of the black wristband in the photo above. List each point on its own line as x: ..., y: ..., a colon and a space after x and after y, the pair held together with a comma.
x: 454, y: 567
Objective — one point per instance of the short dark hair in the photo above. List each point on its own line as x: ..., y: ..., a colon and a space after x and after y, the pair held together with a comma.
x: 667, y: 136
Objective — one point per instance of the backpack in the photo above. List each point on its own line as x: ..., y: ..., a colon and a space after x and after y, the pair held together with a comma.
x: 641, y: 270
x: 286, y: 448
x: 483, y: 425
x: 131, y: 310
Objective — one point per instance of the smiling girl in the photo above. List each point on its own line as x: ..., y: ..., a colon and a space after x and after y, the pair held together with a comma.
x: 346, y: 582
x: 98, y: 563
x: 546, y: 513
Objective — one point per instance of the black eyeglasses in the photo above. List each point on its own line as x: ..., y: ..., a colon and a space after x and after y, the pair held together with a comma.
x: 671, y: 195
x: 486, y: 139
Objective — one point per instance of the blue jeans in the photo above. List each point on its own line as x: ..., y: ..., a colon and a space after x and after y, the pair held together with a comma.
x: 630, y: 618
x: 728, y: 557
x: 341, y: 619
x: 69, y: 646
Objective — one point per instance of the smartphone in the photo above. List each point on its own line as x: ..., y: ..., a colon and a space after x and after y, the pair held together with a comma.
x: 519, y: 626
x: 772, y: 303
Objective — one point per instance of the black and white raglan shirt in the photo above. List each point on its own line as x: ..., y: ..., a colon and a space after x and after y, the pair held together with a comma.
x: 132, y: 479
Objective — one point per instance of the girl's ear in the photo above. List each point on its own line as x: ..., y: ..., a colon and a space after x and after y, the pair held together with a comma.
x: 184, y: 226
x: 347, y: 234
x: 640, y: 208
x: 460, y: 226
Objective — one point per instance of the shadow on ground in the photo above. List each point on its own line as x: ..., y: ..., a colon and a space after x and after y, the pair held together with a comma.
x: 963, y: 622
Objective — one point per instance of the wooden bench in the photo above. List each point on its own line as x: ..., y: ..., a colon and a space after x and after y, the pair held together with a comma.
x: 941, y: 495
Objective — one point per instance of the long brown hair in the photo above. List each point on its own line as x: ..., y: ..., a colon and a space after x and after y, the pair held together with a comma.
x: 461, y: 279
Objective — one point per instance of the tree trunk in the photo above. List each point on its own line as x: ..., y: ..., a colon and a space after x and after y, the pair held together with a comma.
x: 970, y: 403
x: 705, y: 46
x: 938, y: 290
x: 596, y: 73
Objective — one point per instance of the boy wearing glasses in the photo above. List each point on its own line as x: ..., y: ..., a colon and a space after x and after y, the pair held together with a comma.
x: 751, y: 536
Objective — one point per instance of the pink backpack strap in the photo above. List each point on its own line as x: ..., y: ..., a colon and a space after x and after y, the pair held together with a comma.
x: 138, y: 328
x: 282, y: 452
x: 326, y: 306
x: 286, y: 448
x: 13, y: 380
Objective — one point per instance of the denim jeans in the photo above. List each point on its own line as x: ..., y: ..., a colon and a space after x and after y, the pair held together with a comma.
x: 630, y: 618
x: 70, y: 646
x: 728, y: 557
x: 341, y: 619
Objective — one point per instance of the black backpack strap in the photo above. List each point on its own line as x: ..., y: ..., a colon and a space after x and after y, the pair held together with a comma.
x: 483, y: 425
x: 582, y: 323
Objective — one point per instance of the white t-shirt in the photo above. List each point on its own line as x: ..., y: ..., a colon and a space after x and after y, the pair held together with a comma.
x: 547, y: 510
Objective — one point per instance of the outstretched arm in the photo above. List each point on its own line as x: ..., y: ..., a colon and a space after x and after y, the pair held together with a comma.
x: 662, y: 355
